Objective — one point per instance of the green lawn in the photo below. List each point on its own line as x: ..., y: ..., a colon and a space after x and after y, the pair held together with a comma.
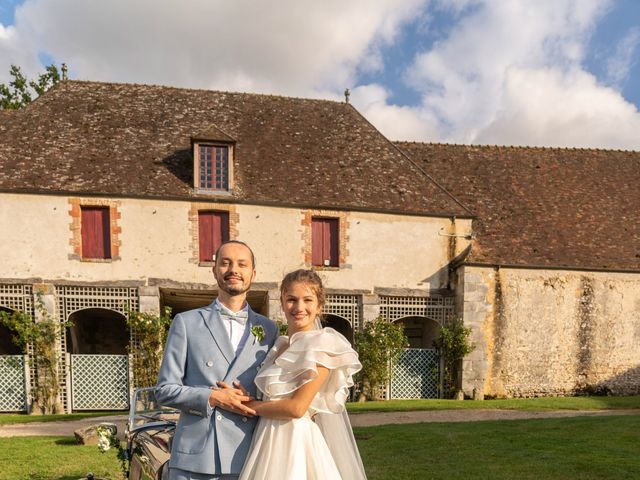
x: 581, y: 447
x: 53, y: 458
x: 13, y: 418
x: 532, y: 404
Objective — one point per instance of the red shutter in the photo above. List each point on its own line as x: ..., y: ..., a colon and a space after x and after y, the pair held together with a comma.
x: 325, y: 242
x: 213, y: 230
x: 316, y: 241
x: 96, y: 232
x: 331, y: 245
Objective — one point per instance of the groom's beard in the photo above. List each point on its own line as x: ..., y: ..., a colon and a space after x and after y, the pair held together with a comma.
x: 233, y: 290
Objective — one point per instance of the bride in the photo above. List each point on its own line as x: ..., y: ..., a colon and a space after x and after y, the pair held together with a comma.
x: 304, y: 431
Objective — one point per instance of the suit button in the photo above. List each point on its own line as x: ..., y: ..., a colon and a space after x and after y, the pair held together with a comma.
x: 209, y: 363
x: 244, y: 419
x: 219, y: 417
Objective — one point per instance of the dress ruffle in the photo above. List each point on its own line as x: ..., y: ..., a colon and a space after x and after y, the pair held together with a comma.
x: 296, y: 365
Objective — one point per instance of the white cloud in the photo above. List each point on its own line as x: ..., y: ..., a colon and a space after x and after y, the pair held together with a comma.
x: 295, y: 47
x: 619, y: 65
x: 546, y: 107
x: 393, y: 121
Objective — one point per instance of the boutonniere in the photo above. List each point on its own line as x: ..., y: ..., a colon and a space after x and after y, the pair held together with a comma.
x: 258, y: 332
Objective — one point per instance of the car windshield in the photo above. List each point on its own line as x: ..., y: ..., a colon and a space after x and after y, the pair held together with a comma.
x: 145, y: 409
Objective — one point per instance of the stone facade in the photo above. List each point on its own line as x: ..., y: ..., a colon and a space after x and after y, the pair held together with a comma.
x: 550, y: 332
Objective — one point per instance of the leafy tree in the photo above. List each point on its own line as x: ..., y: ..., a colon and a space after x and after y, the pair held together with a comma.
x: 453, y: 345
x: 20, y: 91
x: 150, y: 330
x: 379, y: 345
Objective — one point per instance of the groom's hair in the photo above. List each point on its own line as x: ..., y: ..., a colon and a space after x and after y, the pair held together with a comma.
x: 253, y: 257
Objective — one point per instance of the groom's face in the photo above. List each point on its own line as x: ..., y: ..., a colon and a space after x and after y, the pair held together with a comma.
x: 234, y: 269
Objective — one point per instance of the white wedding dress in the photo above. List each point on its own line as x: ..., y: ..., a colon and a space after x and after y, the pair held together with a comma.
x: 296, y: 449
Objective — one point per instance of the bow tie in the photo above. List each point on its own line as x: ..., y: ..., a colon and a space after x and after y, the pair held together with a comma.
x: 240, y: 317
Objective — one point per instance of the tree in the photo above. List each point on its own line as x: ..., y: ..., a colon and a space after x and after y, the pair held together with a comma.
x: 150, y: 330
x: 453, y: 345
x: 379, y: 345
x: 22, y: 91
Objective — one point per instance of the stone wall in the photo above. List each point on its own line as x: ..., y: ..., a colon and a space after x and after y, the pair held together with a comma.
x: 550, y: 332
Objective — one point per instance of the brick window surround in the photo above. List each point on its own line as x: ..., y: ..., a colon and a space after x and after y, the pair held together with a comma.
x: 75, y: 211
x: 194, y: 226
x: 343, y: 226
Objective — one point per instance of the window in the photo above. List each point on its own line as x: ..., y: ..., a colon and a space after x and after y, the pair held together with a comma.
x: 213, y: 167
x: 213, y: 230
x: 95, y: 232
x: 325, y: 242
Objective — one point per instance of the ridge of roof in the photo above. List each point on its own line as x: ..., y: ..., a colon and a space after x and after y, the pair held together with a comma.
x: 203, y: 90
x: 513, y: 147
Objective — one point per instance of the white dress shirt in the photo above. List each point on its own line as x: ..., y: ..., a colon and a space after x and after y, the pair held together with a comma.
x: 236, y: 331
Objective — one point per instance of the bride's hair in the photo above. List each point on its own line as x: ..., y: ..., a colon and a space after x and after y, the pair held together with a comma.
x: 309, y: 278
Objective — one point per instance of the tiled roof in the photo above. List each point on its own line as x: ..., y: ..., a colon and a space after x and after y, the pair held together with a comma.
x: 134, y: 140
x: 542, y: 206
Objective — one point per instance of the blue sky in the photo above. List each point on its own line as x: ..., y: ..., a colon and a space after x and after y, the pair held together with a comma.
x: 515, y: 72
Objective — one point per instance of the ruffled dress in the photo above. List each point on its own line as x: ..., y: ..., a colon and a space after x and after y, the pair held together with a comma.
x: 295, y: 449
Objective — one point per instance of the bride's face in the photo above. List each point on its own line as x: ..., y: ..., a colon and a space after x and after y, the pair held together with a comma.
x: 301, y: 307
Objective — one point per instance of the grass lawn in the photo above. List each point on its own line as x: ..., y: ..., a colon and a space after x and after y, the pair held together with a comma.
x: 13, y: 418
x: 582, y: 447
x: 53, y: 458
x: 531, y: 404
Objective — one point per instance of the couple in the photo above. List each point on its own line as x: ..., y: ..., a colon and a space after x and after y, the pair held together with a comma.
x: 220, y: 358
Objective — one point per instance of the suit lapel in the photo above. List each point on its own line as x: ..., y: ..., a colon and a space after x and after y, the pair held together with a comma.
x: 246, y: 355
x: 218, y: 331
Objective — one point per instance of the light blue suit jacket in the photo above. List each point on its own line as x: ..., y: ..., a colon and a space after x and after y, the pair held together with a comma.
x: 199, y: 353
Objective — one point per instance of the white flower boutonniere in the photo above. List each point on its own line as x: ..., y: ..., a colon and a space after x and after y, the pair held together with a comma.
x: 258, y: 332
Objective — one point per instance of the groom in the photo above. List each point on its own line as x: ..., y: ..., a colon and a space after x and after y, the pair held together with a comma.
x: 208, y: 348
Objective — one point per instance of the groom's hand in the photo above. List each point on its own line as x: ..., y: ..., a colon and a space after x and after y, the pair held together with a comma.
x: 230, y: 399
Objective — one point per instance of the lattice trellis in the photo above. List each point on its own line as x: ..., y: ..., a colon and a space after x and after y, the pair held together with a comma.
x: 20, y: 297
x: 13, y: 394
x: 438, y: 308
x: 75, y: 298
x: 100, y: 382
x: 345, y: 306
x: 416, y: 374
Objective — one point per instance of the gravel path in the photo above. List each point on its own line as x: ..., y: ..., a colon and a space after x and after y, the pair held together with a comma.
x: 357, y: 419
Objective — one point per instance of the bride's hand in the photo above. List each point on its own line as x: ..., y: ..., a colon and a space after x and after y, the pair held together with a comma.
x: 231, y: 399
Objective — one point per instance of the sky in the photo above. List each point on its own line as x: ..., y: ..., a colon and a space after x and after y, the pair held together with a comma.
x: 557, y: 73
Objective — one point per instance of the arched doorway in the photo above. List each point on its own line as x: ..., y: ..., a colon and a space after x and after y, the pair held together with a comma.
x: 97, y: 342
x: 420, y: 331
x: 97, y: 331
x: 417, y: 372
x: 339, y: 324
x: 12, y: 372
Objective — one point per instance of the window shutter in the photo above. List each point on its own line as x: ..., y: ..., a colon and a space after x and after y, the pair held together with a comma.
x: 325, y: 242
x: 316, y: 241
x: 96, y: 232
x: 213, y: 230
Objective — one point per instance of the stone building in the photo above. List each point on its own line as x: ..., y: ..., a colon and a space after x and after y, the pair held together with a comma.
x: 114, y: 197
x: 551, y: 283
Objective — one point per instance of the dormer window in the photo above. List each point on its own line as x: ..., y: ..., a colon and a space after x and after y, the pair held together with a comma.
x: 213, y: 161
x: 213, y: 167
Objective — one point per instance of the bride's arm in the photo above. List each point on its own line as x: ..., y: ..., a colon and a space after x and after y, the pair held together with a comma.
x: 297, y: 405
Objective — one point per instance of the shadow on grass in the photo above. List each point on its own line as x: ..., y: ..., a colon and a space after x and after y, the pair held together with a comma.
x: 68, y: 441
